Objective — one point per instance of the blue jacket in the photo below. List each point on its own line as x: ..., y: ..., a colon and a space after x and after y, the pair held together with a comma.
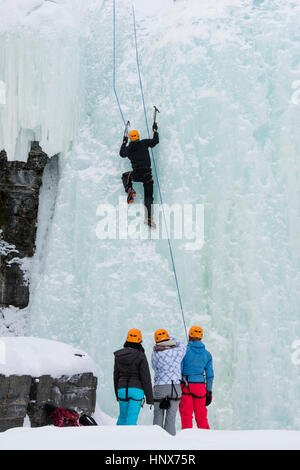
x: 197, y: 364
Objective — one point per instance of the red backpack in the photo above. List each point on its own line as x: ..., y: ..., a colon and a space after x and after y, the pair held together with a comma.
x: 63, y: 417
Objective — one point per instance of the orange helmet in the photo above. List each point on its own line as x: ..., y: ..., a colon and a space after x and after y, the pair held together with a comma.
x: 196, y: 332
x: 134, y: 336
x: 134, y: 135
x: 161, y: 335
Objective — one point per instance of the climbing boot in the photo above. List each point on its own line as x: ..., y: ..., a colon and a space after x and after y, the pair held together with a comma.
x: 131, y: 195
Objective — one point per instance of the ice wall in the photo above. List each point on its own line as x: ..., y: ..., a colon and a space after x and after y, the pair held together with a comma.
x: 39, y: 52
x: 225, y: 77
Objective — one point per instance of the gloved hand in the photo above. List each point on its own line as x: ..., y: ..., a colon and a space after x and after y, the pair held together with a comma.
x: 208, y: 398
x: 125, y: 139
x: 154, y: 127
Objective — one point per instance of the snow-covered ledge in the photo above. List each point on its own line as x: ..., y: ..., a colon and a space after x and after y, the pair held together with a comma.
x: 35, y: 371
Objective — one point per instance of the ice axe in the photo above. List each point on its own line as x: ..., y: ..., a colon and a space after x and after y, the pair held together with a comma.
x: 126, y: 129
x: 155, y: 113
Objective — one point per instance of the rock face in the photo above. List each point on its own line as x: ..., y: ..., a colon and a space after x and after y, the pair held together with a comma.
x: 77, y: 392
x: 19, y: 197
x: 14, y: 399
x: 21, y: 395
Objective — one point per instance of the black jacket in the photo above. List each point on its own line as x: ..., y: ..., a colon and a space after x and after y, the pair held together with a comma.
x: 132, y: 370
x: 138, y: 152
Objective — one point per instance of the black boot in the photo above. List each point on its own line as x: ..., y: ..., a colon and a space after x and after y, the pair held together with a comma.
x: 131, y: 195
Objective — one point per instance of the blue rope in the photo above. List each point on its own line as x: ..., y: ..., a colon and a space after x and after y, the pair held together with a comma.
x: 114, y: 66
x: 156, y: 174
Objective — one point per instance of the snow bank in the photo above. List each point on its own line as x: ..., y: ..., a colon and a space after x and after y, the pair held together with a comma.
x: 13, y: 321
x: 146, y: 438
x: 37, y: 357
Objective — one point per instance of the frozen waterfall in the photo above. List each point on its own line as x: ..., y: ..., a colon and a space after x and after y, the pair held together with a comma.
x: 226, y: 77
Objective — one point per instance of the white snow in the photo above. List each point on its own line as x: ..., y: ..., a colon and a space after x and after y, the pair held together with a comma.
x: 144, y: 437
x: 13, y: 321
x: 37, y: 357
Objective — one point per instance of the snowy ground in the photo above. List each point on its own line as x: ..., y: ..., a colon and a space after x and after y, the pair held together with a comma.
x: 145, y: 438
x: 37, y: 356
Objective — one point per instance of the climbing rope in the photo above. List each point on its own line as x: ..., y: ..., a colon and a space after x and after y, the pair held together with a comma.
x: 155, y: 168
x: 156, y: 174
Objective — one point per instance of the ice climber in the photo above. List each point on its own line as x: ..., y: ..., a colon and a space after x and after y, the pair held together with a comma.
x: 132, y: 378
x: 138, y: 154
x: 167, y: 355
x: 198, y: 375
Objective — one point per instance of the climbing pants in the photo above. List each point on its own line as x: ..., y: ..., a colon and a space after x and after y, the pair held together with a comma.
x: 166, y: 418
x: 141, y: 175
x: 129, y: 410
x: 189, y: 405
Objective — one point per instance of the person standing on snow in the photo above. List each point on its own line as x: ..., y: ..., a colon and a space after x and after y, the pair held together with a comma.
x: 132, y: 378
x: 198, y: 375
x: 138, y: 154
x: 166, y: 360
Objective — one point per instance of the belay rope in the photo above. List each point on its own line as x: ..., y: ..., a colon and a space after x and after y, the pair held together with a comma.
x: 152, y: 154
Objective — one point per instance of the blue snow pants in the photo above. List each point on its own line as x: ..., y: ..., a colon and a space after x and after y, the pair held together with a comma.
x: 129, y: 410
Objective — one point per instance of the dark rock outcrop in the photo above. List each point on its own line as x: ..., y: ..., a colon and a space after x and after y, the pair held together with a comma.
x: 21, y: 395
x: 77, y: 392
x: 19, y: 198
x: 14, y: 399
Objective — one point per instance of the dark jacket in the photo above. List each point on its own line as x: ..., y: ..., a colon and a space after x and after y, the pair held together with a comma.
x: 132, y: 370
x: 138, y: 152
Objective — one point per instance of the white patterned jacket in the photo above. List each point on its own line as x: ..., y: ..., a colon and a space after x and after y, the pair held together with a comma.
x: 167, y: 363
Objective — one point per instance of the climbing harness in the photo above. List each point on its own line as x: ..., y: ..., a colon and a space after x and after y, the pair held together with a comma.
x: 187, y: 385
x: 127, y: 398
x: 192, y: 394
x: 164, y: 403
x: 147, y: 126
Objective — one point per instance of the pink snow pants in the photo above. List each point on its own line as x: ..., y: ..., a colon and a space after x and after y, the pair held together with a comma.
x: 189, y: 405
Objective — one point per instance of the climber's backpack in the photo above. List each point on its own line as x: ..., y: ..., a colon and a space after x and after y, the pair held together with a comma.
x: 62, y: 417
x: 86, y: 420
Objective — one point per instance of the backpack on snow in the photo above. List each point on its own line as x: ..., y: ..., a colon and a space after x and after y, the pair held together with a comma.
x: 62, y: 417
